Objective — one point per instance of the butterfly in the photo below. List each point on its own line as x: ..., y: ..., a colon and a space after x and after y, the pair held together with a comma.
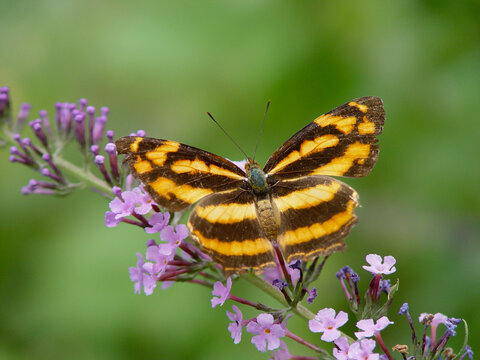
x: 292, y: 203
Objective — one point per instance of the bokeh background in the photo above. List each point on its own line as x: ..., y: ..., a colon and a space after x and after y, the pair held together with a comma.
x: 64, y: 286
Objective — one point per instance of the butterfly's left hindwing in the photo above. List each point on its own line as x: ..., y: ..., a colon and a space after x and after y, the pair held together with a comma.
x: 316, y: 214
x: 177, y: 175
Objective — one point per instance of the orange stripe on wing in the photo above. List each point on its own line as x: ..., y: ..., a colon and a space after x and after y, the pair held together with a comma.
x: 366, y: 127
x: 307, y: 147
x: 342, y: 123
x: 198, y: 166
x: 245, y: 247
x: 340, y: 165
x: 226, y: 213
x: 318, y: 230
x: 189, y: 194
x: 308, y: 197
x: 362, y: 107
x: 142, y: 166
x: 159, y: 155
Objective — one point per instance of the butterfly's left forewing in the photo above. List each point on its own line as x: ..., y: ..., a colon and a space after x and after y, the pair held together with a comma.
x: 177, y: 175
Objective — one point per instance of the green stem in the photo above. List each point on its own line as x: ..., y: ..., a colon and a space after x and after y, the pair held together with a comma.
x: 82, y: 174
x: 299, y: 309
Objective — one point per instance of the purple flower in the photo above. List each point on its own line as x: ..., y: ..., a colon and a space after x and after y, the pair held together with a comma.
x: 280, y: 284
x: 141, y: 278
x: 312, y: 294
x: 468, y: 352
x: 236, y: 326
x: 221, y: 291
x: 173, y: 238
x: 325, y: 321
x: 343, y: 272
x: 158, y: 259
x: 370, y: 328
x: 241, y: 164
x: 268, y: 333
x: 363, y: 350
x: 377, y: 267
x: 451, y: 326
x: 403, y: 309
x: 359, y: 350
x: 437, y: 319
x: 158, y: 221
x: 125, y: 205
x: 144, y: 201
x: 341, y: 350
x: 271, y: 274
x: 111, y: 219
x: 384, y: 286
x: 281, y: 353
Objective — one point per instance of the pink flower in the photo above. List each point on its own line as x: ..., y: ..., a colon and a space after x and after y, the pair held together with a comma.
x: 271, y: 274
x: 359, y: 350
x: 159, y: 259
x: 325, y: 321
x: 268, y: 333
x: 342, y: 352
x: 142, y: 278
x: 236, y: 326
x: 157, y: 222
x: 438, y: 319
x: 173, y: 237
x: 126, y: 203
x: 362, y: 350
x: 143, y: 201
x: 241, y: 163
x: 221, y: 291
x: 376, y: 266
x: 370, y: 328
x: 281, y: 353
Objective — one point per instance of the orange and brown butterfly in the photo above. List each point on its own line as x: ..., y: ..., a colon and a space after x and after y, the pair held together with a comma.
x: 292, y: 202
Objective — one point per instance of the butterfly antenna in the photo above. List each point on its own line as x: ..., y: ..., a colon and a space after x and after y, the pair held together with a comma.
x: 220, y: 126
x: 261, y: 128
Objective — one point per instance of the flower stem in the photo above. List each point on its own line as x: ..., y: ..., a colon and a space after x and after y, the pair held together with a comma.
x: 81, y: 174
x: 306, y: 343
x: 249, y: 303
x: 380, y: 342
x: 274, y: 292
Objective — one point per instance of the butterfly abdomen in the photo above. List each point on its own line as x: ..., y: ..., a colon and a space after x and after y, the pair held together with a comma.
x: 268, y: 217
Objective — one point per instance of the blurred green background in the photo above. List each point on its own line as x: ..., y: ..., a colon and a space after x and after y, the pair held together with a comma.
x: 64, y: 286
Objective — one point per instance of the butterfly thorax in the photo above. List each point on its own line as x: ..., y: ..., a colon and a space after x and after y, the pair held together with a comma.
x: 256, y: 178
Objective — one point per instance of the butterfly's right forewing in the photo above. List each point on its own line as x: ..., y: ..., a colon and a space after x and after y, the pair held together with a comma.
x: 177, y: 175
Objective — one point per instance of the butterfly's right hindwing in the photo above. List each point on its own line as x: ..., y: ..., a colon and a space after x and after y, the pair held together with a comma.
x: 227, y: 227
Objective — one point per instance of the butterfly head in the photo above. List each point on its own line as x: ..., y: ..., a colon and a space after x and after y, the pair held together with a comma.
x: 256, y: 177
